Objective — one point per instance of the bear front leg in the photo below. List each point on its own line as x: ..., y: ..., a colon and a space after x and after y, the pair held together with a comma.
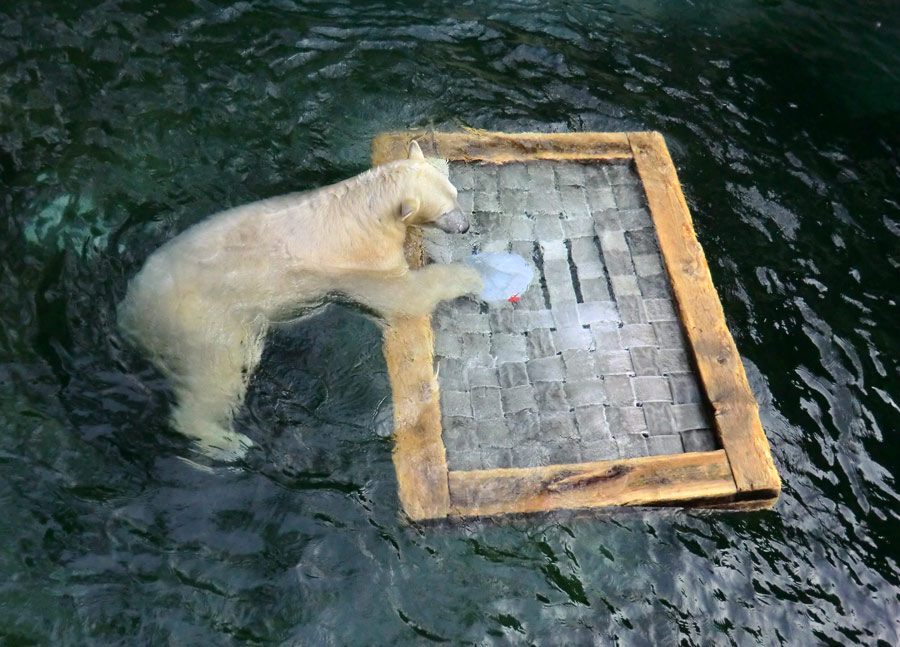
x: 440, y: 282
x: 416, y: 293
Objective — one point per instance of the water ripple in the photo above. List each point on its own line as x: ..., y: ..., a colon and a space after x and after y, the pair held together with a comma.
x: 123, y: 123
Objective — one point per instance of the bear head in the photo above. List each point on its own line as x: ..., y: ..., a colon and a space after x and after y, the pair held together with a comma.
x: 432, y: 200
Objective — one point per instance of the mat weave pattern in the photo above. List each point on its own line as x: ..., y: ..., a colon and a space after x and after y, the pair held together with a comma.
x: 591, y: 363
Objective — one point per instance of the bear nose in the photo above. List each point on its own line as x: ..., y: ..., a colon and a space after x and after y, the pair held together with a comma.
x: 453, y: 222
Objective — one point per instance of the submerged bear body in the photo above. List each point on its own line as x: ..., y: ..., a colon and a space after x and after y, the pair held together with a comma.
x: 202, y: 304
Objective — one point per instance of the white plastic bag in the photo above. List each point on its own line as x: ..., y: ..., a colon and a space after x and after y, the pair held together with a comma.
x: 505, y: 276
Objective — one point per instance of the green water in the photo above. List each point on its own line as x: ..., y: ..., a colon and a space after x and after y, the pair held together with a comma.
x: 121, y: 123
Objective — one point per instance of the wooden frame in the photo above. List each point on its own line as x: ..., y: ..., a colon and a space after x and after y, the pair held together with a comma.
x: 741, y: 475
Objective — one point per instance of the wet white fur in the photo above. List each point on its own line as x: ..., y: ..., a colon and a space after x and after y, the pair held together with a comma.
x: 202, y: 303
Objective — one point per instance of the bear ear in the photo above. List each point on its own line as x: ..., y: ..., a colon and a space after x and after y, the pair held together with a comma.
x: 415, y: 153
x: 409, y: 207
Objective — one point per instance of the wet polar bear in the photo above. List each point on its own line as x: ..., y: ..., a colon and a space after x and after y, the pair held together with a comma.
x: 201, y: 305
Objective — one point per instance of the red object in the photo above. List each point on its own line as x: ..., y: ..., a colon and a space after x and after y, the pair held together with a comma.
x: 514, y: 298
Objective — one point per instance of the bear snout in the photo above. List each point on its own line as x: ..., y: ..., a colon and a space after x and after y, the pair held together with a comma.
x: 452, y: 222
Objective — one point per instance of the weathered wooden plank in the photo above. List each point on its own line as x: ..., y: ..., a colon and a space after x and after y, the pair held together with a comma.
x: 498, y: 148
x: 691, y: 479
x: 720, y: 367
x: 419, y: 456
x: 743, y: 469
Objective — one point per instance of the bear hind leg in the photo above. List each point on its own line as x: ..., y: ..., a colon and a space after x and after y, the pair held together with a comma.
x: 214, y: 385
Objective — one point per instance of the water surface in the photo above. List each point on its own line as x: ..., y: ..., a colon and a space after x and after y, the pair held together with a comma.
x: 122, y: 123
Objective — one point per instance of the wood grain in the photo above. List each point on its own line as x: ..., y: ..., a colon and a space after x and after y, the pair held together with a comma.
x: 498, y: 148
x: 720, y: 479
x: 683, y: 479
x: 419, y: 456
x: 420, y: 460
x: 720, y: 367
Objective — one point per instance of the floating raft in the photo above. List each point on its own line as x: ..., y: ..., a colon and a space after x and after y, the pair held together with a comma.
x: 612, y: 381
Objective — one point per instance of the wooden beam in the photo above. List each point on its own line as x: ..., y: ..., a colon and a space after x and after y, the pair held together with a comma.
x: 498, y: 148
x: 695, y: 478
x: 420, y: 459
x: 720, y: 367
x: 419, y: 456
x: 725, y: 478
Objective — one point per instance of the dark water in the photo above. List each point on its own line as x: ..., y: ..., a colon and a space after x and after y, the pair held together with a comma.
x: 122, y: 123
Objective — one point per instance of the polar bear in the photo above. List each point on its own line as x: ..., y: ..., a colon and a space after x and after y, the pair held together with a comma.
x: 201, y: 305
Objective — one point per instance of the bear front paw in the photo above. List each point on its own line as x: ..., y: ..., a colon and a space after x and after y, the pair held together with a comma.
x: 459, y: 280
x: 471, y: 281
